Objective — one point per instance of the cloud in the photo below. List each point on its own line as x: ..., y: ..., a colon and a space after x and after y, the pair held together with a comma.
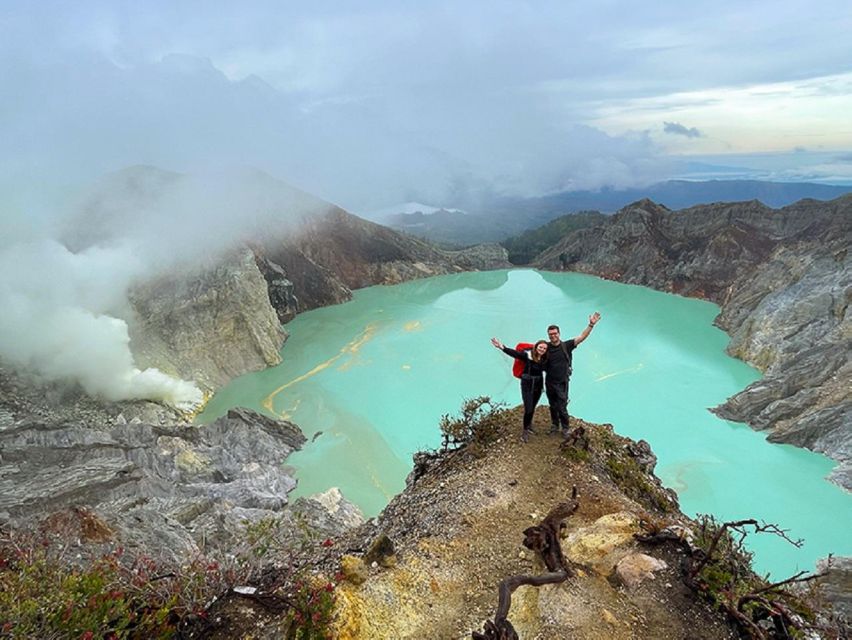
x: 183, y: 113
x: 64, y: 283
x: 366, y: 104
x: 678, y: 129
x: 363, y: 105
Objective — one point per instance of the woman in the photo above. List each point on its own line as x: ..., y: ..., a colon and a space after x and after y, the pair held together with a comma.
x: 531, y: 379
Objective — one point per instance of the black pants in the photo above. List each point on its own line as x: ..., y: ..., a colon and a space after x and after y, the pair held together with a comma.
x: 557, y: 396
x: 531, y: 388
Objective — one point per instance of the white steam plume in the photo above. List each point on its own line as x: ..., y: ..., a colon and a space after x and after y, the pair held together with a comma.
x: 60, y: 320
x: 64, y: 302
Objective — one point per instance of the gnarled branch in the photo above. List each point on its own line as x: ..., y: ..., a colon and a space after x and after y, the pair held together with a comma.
x: 544, y: 540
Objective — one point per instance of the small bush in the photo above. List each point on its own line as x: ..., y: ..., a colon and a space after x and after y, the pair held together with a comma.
x: 479, y: 424
x: 312, y: 611
x: 721, y: 570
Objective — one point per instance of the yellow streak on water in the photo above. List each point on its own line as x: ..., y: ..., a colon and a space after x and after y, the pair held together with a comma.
x: 286, y: 414
x: 380, y: 485
x: 351, y: 348
x: 678, y: 481
x: 618, y: 373
x: 414, y: 325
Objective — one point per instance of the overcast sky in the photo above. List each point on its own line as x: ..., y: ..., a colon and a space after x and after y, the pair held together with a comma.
x: 365, y: 104
x: 371, y: 103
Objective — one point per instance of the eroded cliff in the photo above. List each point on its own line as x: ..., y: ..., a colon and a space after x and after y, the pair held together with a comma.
x: 784, y: 281
x: 213, y: 311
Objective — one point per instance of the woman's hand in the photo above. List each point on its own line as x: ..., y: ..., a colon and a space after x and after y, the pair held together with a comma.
x: 593, y: 319
x: 497, y: 343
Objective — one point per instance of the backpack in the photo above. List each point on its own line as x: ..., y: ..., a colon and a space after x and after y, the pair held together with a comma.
x: 519, y: 365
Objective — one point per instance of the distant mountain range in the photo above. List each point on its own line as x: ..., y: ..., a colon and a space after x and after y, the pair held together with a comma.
x: 496, y: 219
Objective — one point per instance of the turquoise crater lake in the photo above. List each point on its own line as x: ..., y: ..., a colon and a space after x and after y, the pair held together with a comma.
x: 374, y: 375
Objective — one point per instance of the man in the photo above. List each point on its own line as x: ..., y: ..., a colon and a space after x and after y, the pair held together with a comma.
x: 557, y: 371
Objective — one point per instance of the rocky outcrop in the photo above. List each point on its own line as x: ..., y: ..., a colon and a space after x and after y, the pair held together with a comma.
x: 163, y: 488
x: 784, y: 281
x: 791, y: 320
x: 334, y: 252
x: 429, y: 565
x: 209, y: 324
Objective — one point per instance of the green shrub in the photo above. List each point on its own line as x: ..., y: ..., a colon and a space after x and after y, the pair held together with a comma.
x: 312, y: 611
x: 479, y: 424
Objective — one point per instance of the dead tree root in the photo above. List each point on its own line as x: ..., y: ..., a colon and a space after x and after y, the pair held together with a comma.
x: 542, y: 538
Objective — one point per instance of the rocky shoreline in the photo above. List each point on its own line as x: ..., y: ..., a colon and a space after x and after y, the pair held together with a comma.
x: 783, y: 279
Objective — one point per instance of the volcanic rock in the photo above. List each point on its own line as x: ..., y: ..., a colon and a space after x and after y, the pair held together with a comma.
x: 784, y: 281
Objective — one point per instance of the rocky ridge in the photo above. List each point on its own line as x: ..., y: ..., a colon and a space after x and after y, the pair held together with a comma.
x: 334, y: 252
x: 429, y: 565
x: 158, y: 485
x: 783, y: 279
x: 208, y: 324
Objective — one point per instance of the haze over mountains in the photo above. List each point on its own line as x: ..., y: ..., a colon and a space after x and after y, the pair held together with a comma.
x: 498, y: 218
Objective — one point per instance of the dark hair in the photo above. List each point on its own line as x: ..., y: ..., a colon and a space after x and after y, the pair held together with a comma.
x: 534, y: 354
x: 553, y: 326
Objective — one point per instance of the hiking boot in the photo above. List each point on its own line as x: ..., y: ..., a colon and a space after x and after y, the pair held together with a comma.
x: 565, y: 433
x: 531, y: 429
x: 525, y: 436
x: 554, y: 429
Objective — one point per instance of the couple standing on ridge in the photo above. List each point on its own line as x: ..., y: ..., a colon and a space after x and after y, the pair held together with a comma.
x: 547, y: 366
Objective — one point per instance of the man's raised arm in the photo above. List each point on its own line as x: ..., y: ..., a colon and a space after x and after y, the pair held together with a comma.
x: 593, y: 320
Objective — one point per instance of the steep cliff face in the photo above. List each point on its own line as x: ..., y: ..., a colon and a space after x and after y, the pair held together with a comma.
x: 209, y: 324
x: 784, y: 281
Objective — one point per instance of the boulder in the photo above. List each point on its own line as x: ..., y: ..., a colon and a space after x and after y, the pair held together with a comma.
x: 635, y: 568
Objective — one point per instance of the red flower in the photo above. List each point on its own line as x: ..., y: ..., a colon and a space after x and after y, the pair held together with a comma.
x: 327, y: 542
x: 88, y: 635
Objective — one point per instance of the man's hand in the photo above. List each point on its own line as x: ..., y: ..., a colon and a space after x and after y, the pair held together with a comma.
x: 593, y: 320
x: 497, y: 343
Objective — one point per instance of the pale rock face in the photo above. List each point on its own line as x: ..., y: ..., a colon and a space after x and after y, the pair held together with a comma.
x: 332, y: 509
x: 600, y: 545
x: 632, y: 570
x: 208, y: 325
x: 163, y: 488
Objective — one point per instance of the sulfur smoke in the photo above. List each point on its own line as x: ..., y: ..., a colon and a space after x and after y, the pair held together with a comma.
x: 63, y: 289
